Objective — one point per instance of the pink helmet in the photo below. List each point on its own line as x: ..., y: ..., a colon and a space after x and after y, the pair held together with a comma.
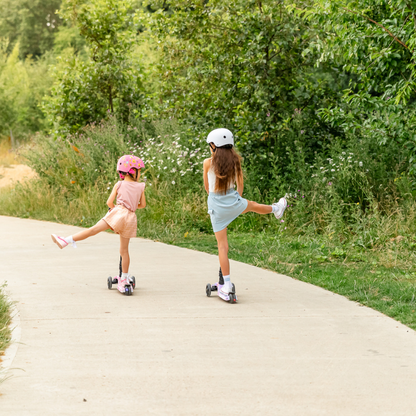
x: 126, y: 164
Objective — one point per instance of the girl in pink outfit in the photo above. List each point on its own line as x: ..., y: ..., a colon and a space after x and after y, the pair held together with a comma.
x: 121, y: 218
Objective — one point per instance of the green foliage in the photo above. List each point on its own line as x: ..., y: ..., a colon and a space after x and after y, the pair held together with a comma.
x: 109, y: 79
x: 241, y: 65
x: 68, y: 37
x: 350, y: 186
x: 31, y: 23
x: 22, y: 86
x: 372, y: 39
x: 5, y: 332
x: 308, y: 101
x: 375, y: 43
x: 173, y: 157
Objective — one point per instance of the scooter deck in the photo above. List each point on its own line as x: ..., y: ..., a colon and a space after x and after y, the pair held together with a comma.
x: 216, y: 287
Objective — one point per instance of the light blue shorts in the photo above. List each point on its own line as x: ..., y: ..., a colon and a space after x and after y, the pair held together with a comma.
x: 224, y: 209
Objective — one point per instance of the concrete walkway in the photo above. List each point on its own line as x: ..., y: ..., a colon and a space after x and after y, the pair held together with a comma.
x: 287, y: 348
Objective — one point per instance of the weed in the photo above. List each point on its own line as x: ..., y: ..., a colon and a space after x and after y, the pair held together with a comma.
x: 5, y: 332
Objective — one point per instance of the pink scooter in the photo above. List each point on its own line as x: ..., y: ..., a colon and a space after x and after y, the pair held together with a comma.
x: 216, y: 287
x: 125, y: 289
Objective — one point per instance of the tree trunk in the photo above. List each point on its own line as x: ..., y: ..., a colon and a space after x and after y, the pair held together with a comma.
x: 111, y: 99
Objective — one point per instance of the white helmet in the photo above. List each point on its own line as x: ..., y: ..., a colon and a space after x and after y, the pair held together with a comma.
x: 221, y: 137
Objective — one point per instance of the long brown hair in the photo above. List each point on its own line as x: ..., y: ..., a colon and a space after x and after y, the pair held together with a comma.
x: 226, y: 163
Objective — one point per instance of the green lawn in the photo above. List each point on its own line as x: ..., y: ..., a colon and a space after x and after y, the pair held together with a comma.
x: 382, y: 279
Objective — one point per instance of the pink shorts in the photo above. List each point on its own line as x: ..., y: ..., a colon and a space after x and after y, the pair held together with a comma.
x: 122, y: 221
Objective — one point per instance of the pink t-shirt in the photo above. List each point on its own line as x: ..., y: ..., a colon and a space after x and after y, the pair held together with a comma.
x: 129, y: 194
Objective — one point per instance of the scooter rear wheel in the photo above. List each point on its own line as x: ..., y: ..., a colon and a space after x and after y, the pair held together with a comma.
x: 208, y: 290
x: 110, y: 282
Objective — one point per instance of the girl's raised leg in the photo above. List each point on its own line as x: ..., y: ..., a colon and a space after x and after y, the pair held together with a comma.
x: 62, y: 242
x: 277, y: 208
x: 258, y: 208
x: 97, y: 228
x: 124, y: 253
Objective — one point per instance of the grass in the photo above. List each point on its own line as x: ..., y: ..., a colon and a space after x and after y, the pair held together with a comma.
x: 381, y: 276
x: 382, y: 279
x: 5, y: 332
x: 7, y: 157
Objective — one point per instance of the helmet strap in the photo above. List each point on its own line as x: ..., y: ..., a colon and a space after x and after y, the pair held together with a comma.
x: 213, y: 148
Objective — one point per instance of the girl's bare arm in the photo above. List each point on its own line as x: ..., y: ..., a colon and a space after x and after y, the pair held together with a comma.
x: 240, y: 184
x: 207, y: 166
x: 112, y: 197
x: 142, y: 203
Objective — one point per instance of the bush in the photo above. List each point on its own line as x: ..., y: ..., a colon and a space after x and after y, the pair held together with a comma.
x: 86, y: 162
x: 354, y: 189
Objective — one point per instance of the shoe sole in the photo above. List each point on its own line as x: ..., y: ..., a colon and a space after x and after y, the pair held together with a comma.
x: 56, y: 241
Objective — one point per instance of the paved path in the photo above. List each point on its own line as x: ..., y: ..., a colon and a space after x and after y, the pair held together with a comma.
x: 287, y: 348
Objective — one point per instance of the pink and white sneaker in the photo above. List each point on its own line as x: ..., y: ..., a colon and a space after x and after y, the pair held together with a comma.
x: 59, y: 241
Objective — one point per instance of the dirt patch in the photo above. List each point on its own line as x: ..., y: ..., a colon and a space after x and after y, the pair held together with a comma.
x: 15, y: 173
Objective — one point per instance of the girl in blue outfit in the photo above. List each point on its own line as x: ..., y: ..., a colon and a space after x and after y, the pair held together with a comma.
x: 222, y: 171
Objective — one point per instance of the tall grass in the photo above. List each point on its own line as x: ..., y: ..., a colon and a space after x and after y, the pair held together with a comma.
x: 345, y: 196
x: 5, y: 332
x: 7, y: 156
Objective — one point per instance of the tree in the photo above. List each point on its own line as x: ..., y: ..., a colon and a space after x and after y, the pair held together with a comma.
x: 22, y: 86
x: 109, y: 79
x: 375, y: 42
x: 241, y: 64
x: 31, y: 23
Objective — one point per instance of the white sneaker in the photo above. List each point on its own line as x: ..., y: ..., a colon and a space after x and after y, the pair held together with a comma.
x: 282, y: 204
x: 226, y: 289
